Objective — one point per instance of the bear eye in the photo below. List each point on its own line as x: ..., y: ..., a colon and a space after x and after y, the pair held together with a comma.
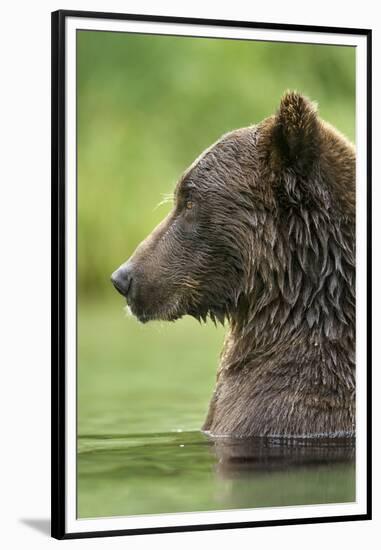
x: 189, y: 205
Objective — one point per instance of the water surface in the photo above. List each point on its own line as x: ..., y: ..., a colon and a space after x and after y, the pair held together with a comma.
x: 121, y: 475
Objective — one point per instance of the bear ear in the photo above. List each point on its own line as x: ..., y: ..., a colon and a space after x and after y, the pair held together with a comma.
x: 296, y: 132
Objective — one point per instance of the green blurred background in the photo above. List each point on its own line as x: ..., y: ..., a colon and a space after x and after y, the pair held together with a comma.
x: 147, y: 106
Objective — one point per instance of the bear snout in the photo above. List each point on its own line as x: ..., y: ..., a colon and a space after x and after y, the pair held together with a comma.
x: 122, y: 279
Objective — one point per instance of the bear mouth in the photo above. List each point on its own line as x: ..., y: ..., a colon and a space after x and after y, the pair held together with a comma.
x: 162, y: 314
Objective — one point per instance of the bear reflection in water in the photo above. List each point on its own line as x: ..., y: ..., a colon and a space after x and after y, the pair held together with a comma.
x: 242, y: 456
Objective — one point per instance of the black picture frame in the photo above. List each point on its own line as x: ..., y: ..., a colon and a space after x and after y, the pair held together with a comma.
x: 58, y: 336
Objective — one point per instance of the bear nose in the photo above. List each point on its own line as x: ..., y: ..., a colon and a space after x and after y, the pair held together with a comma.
x: 121, y: 279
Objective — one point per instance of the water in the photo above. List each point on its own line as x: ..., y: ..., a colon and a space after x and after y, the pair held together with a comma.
x: 121, y: 475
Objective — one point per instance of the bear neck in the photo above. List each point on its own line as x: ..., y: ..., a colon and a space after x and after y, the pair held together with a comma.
x: 302, y: 292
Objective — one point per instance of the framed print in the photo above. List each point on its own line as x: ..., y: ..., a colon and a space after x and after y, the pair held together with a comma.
x: 211, y: 255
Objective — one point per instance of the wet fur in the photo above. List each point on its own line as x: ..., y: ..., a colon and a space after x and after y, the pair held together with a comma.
x: 269, y: 248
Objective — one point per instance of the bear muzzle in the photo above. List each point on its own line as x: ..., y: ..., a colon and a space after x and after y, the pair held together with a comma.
x: 122, y: 279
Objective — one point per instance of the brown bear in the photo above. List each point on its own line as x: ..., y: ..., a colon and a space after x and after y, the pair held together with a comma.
x: 262, y: 234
